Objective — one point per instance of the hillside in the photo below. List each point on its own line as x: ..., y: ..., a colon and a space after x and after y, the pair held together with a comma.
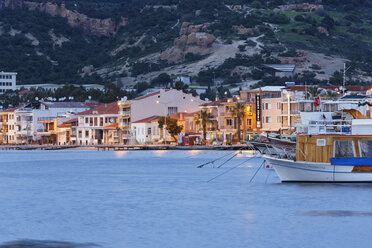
x: 134, y: 41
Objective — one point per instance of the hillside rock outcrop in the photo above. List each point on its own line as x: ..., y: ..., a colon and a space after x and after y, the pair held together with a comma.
x: 199, y: 43
x: 193, y: 39
x: 91, y: 26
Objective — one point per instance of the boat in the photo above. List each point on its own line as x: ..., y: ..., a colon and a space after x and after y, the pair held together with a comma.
x: 330, y: 151
x: 269, y: 144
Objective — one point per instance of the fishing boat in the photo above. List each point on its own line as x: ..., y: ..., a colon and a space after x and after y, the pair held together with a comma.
x: 330, y: 151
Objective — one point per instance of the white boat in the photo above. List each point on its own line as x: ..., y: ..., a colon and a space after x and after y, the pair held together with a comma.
x: 329, y: 156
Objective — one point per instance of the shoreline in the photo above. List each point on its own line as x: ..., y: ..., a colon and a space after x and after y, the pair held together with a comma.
x: 121, y: 147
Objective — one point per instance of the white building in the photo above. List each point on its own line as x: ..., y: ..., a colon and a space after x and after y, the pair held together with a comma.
x: 99, y: 125
x: 7, y: 81
x: 147, y: 130
x: 163, y: 102
x: 30, y: 118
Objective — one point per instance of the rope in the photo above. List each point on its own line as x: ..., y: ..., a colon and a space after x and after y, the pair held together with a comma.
x: 211, y: 162
x: 259, y: 167
x: 223, y: 173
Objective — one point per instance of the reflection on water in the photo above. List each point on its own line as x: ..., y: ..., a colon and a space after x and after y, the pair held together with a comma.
x: 120, y: 154
x: 45, y: 244
x: 159, y: 153
x: 337, y: 213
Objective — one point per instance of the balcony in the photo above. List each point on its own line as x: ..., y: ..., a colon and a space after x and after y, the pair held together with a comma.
x: 124, y: 113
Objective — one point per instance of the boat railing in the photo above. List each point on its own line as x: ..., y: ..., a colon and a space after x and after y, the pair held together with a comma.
x: 332, y: 127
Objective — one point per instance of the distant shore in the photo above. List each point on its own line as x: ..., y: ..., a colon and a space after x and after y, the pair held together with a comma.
x: 123, y: 147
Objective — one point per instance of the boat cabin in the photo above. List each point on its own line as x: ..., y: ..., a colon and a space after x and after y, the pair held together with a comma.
x: 320, y: 148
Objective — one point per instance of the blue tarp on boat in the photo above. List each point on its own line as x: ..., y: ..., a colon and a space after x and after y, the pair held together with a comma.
x: 352, y: 161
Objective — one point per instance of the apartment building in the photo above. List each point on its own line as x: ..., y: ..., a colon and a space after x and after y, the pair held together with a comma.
x: 96, y: 124
x: 163, y: 102
x: 266, y: 107
x: 147, y: 130
x: 7, y: 81
x: 124, y: 122
x: 33, y: 117
x: 7, y: 126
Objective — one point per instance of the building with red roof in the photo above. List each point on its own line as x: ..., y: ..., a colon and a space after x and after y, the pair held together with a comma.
x: 99, y: 125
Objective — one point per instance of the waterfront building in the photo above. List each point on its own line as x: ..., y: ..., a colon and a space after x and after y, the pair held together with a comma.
x: 96, y: 124
x: 147, y: 130
x: 266, y: 108
x: 163, y: 102
x: 66, y: 132
x: 124, y: 122
x: 31, y: 118
x: 7, y: 126
x: 7, y: 81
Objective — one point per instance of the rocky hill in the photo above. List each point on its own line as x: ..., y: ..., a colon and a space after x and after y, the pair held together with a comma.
x: 133, y: 41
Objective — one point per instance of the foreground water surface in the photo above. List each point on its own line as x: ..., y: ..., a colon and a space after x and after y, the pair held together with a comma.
x: 161, y: 199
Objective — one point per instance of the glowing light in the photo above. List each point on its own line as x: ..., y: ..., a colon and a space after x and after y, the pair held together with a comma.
x: 238, y: 98
x: 193, y: 153
x: 288, y: 96
x: 157, y: 102
x: 159, y: 153
x: 120, y: 154
x: 192, y: 100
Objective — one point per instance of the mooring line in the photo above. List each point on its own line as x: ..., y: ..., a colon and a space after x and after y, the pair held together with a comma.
x: 210, y: 162
x: 230, y: 169
x: 259, y: 167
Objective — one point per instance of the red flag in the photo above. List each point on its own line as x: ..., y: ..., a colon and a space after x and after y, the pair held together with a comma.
x: 317, y: 101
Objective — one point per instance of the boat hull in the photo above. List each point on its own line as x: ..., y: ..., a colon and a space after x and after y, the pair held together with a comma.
x: 301, y: 171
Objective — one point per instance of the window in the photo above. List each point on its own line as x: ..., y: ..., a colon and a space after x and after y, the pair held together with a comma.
x: 86, y: 134
x: 80, y: 134
x: 149, y: 130
x: 267, y: 106
x: 229, y: 122
x: 365, y: 148
x: 343, y: 149
x: 172, y: 110
x: 278, y: 119
x: 268, y: 119
x: 278, y: 105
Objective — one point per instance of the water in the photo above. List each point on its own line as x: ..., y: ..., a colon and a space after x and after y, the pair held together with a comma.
x: 160, y: 199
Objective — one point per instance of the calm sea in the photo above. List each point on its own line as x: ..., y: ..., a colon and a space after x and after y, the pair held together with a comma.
x: 160, y: 199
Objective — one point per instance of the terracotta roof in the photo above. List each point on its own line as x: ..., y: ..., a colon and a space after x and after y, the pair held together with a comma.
x: 148, y: 119
x: 24, y: 92
x: 106, y: 108
x: 148, y: 95
x: 11, y: 109
x: 112, y: 126
x: 68, y: 123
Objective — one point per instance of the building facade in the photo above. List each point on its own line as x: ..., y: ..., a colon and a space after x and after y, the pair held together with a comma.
x: 7, y: 81
x: 94, y: 123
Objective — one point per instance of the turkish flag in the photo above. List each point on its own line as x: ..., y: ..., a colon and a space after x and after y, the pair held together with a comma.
x: 317, y: 101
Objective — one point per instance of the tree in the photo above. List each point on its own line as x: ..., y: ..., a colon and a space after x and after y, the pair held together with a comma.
x: 203, y: 118
x: 313, y: 92
x: 238, y: 110
x: 172, y: 127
